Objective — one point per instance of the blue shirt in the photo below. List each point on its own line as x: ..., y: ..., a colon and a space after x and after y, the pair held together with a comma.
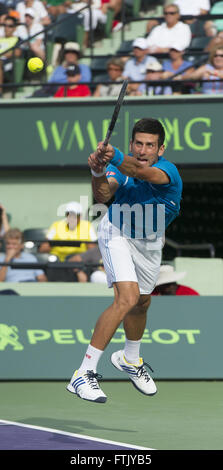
x: 21, y: 275
x: 135, y: 191
x: 59, y: 74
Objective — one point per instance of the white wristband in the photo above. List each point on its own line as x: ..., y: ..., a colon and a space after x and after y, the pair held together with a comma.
x: 97, y: 175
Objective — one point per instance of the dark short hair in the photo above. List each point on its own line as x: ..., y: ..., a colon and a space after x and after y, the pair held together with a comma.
x: 150, y: 126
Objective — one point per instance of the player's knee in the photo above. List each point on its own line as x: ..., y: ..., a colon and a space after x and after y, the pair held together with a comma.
x: 125, y: 303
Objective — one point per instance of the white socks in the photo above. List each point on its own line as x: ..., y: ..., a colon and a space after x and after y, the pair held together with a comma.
x: 91, y: 359
x: 131, y: 351
x: 92, y: 356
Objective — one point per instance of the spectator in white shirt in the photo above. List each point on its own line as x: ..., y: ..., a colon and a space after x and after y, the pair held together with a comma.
x: 172, y: 30
x: 40, y: 13
x: 36, y: 45
x: 193, y: 7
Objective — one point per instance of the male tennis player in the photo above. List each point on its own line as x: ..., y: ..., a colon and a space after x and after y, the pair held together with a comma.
x: 130, y: 248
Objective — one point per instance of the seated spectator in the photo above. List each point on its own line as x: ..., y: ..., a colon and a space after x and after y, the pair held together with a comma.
x: 34, y: 47
x: 215, y: 41
x: 40, y: 13
x: 213, y: 26
x: 193, y: 7
x: 167, y: 283
x: 68, y: 55
x: 153, y: 72
x: 7, y: 40
x: 72, y: 228
x: 115, y: 67
x: 135, y: 68
x: 14, y: 244
x: 177, y: 65
x: 170, y: 32
x: 4, y: 223
x: 73, y: 89
x: 212, y: 71
x: 91, y: 256
x: 97, y: 16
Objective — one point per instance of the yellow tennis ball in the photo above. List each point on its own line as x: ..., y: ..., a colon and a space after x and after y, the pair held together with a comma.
x: 35, y: 64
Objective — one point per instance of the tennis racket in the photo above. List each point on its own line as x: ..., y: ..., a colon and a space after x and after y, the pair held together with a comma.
x: 116, y: 112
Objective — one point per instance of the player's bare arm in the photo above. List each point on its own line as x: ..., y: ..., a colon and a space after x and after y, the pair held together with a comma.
x: 103, y: 189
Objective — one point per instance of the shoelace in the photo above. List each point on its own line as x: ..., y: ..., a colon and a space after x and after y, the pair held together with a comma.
x: 142, y: 372
x: 92, y: 378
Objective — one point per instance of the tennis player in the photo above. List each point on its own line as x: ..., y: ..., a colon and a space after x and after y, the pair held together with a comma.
x: 131, y: 244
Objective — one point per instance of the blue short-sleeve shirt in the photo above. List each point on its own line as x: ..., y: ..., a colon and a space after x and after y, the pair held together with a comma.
x: 133, y: 191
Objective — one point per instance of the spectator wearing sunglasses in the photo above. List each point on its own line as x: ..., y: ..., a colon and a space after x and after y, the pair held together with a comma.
x: 212, y: 71
x: 164, y: 36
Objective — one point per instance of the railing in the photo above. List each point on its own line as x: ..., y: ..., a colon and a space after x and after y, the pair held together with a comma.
x: 179, y: 247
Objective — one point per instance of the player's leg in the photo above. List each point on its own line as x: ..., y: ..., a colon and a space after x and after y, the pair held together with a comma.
x: 128, y: 360
x: 84, y: 381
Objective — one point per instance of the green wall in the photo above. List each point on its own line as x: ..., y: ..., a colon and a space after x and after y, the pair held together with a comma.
x: 32, y: 197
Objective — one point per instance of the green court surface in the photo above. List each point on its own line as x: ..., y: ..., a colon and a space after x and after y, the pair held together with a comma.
x: 183, y: 415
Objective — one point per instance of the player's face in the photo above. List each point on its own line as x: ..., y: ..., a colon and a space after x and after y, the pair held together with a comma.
x: 145, y: 148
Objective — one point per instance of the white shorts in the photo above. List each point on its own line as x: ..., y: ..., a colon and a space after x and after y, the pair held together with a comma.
x: 128, y: 259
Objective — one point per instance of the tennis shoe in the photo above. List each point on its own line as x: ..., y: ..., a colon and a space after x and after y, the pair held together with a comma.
x: 136, y: 372
x: 85, y: 385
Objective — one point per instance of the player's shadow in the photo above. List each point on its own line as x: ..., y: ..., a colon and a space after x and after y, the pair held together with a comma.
x: 74, y: 426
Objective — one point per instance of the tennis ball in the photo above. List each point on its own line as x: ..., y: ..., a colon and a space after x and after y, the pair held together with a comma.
x: 35, y: 64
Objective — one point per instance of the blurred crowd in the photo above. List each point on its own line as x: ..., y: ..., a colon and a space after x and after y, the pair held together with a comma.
x: 87, y: 265
x: 163, y: 60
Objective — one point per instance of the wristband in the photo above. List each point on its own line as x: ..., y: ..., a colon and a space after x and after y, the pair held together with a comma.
x: 118, y: 158
x: 97, y: 175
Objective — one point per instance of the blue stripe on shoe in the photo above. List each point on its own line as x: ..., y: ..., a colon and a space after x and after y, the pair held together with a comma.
x: 129, y: 370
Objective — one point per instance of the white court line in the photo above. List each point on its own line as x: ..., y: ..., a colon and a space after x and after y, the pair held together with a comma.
x: 79, y: 436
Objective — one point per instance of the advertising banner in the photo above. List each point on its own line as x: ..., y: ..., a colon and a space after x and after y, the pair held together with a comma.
x: 46, y: 337
x: 59, y: 133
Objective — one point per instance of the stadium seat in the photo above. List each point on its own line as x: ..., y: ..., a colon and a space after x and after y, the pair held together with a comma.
x: 199, y: 43
x: 125, y: 47
x: 34, y: 234
x: 133, y: 7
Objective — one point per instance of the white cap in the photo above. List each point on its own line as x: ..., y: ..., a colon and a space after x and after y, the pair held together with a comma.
x: 177, y: 47
x: 141, y: 43
x: 98, y: 276
x: 75, y: 207
x: 30, y: 12
x: 154, y: 66
x: 168, y: 275
x: 71, y: 46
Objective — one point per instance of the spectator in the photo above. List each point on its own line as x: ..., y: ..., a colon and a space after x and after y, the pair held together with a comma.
x: 193, y: 7
x: 215, y: 41
x: 14, y: 244
x: 115, y: 67
x: 153, y: 72
x: 73, y: 89
x: 135, y: 68
x: 98, y: 16
x: 35, y: 46
x: 92, y: 256
x: 167, y: 283
x: 4, y: 223
x: 40, y: 13
x: 170, y: 32
x: 8, y: 40
x: 72, y: 228
x: 68, y: 55
x: 212, y: 71
x: 212, y: 27
x: 177, y: 65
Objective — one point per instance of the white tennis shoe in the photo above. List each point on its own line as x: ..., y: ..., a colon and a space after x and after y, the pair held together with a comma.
x: 85, y: 385
x: 137, y: 373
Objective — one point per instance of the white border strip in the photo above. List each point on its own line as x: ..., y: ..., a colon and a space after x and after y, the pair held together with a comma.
x: 79, y: 436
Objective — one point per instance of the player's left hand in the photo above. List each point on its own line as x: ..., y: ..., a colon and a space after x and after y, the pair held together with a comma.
x: 94, y: 163
x: 105, y: 154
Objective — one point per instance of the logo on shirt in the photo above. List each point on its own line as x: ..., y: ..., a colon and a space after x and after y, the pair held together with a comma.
x: 110, y: 173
